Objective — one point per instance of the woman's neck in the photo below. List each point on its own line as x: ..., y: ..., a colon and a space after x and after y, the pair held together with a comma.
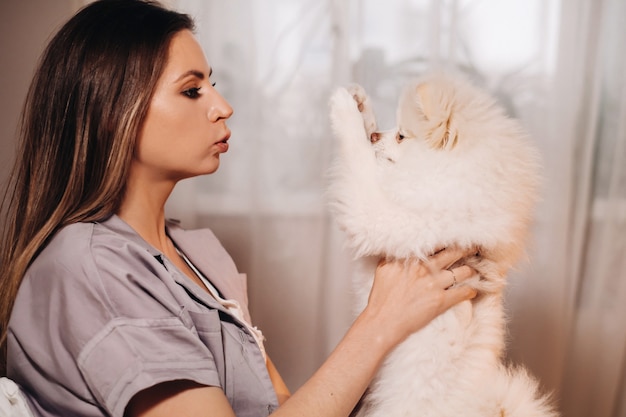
x: 150, y: 226
x: 143, y: 208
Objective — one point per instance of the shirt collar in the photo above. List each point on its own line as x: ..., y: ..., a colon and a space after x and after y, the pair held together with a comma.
x: 115, y: 224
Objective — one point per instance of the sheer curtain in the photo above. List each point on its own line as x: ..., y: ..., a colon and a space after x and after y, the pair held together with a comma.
x: 556, y: 65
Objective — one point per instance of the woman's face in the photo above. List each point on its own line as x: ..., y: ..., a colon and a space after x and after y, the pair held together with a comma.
x: 185, y: 129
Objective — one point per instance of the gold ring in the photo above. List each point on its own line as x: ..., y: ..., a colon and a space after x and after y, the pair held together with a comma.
x: 453, y: 277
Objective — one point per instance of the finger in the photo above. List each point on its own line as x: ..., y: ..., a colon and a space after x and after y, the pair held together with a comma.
x: 448, y: 278
x: 453, y: 276
x: 448, y: 256
x: 459, y: 293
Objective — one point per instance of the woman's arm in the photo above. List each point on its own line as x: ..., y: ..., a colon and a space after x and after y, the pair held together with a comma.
x: 282, y: 392
x: 180, y: 398
x: 405, y: 297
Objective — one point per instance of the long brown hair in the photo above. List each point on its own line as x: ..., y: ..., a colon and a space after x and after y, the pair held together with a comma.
x: 83, y: 112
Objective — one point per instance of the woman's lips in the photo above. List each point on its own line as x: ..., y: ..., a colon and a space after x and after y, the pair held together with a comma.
x: 222, y: 145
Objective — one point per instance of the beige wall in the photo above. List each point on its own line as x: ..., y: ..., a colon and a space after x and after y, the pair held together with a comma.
x: 25, y: 26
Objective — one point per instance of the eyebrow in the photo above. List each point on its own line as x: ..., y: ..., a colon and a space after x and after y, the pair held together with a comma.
x: 195, y: 73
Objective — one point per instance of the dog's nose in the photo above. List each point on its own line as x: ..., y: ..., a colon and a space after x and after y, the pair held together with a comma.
x: 374, y: 137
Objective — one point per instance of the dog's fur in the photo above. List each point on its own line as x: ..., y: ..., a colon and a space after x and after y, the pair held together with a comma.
x: 455, y: 172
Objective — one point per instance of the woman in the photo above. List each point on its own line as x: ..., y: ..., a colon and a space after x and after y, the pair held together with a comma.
x: 113, y: 310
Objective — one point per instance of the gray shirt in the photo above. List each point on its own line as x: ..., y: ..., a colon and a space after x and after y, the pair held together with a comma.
x: 102, y: 315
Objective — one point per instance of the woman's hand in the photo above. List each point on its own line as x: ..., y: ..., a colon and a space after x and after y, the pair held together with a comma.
x: 408, y: 294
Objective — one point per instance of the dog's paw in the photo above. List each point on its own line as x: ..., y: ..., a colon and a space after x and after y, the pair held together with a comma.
x: 364, y: 104
x: 358, y: 94
x: 342, y: 105
x: 491, y: 275
x: 346, y: 119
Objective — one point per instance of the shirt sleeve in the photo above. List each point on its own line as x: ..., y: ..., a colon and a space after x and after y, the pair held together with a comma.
x: 129, y: 355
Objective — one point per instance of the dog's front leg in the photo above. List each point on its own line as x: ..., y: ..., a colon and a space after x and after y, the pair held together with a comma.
x: 364, y: 104
x: 355, y: 192
x: 349, y: 128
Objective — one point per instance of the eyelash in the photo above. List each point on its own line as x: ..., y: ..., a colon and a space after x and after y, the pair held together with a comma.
x: 194, y: 92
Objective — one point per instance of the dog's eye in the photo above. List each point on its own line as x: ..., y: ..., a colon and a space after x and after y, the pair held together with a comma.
x: 400, y: 137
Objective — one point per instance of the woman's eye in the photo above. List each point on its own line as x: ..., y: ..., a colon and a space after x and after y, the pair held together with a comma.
x: 193, y: 92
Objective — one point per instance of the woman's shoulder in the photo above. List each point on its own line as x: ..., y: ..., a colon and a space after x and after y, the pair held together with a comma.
x: 76, y: 242
x: 71, y: 242
x: 85, y: 247
x: 105, y: 261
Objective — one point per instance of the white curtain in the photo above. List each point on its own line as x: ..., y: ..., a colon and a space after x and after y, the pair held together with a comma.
x: 556, y: 65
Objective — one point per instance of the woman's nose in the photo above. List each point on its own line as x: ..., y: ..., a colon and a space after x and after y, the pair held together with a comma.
x: 219, y: 108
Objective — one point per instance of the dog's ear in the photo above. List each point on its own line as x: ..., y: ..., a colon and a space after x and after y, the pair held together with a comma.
x: 435, y: 102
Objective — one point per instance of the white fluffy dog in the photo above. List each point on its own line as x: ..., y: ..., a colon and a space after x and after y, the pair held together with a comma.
x: 455, y: 172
